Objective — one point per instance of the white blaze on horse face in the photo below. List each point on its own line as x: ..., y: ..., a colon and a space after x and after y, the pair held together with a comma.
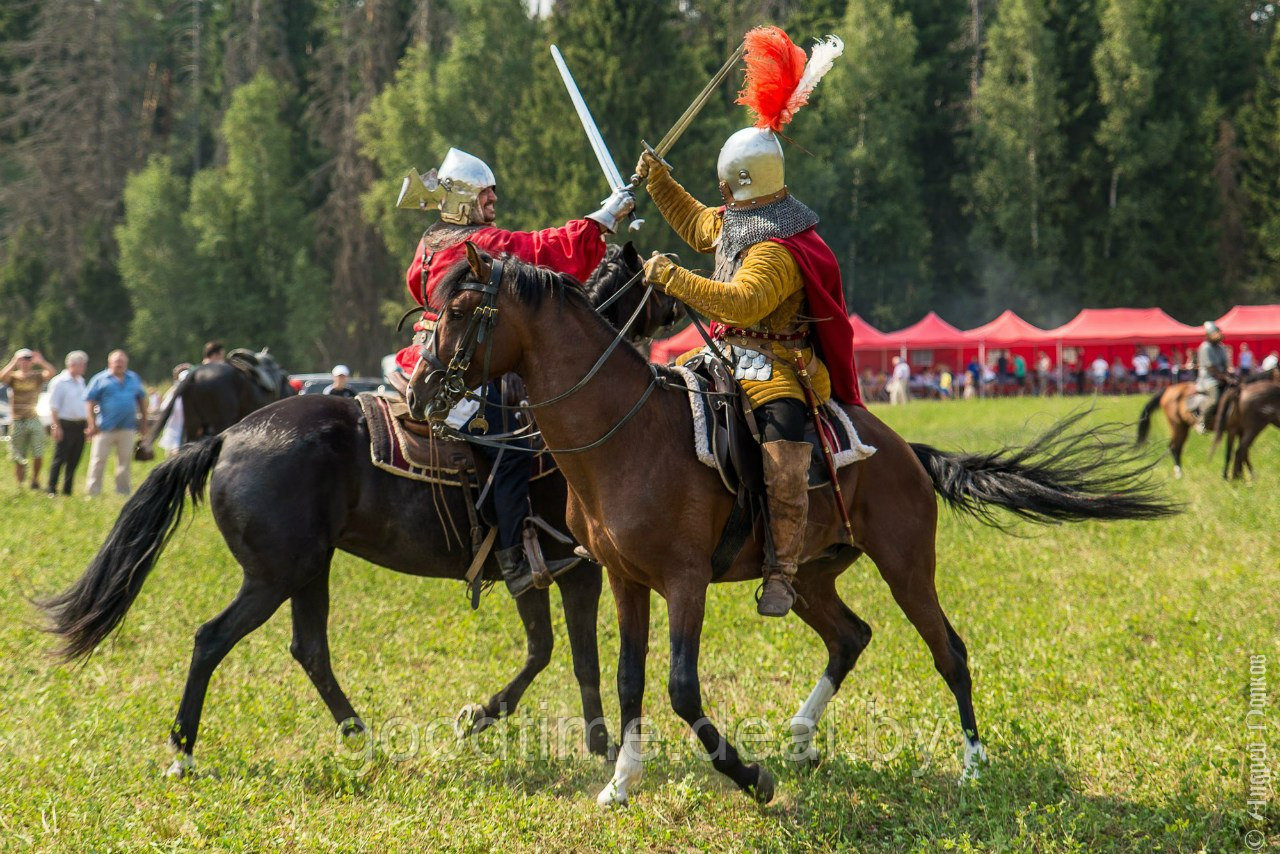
x: 975, y: 756
x: 629, y: 766
x: 805, y: 722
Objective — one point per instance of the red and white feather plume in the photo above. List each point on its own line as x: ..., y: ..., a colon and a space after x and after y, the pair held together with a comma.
x: 779, y: 80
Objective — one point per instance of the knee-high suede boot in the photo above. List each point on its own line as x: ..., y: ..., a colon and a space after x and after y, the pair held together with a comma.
x: 786, y: 478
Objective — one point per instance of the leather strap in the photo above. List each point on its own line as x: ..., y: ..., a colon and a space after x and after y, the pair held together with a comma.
x: 477, y: 564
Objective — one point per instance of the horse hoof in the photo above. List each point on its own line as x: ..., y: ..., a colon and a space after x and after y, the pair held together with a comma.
x: 975, y: 756
x: 181, y: 766
x: 611, y: 797
x: 1177, y: 472
x: 806, y: 761
x: 471, y: 720
x: 351, y: 727
x: 762, y: 791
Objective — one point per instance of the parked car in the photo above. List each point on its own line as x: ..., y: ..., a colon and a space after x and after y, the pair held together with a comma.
x: 317, y: 383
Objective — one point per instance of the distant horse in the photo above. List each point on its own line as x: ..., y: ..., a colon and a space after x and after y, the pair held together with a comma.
x: 643, y: 505
x: 1244, y: 412
x: 293, y: 482
x: 218, y: 394
x: 1173, y: 400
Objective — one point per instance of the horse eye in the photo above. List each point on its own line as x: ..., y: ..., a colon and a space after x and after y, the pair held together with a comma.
x: 454, y: 314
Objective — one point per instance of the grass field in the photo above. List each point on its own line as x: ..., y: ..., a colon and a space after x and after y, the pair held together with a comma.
x: 1111, y: 667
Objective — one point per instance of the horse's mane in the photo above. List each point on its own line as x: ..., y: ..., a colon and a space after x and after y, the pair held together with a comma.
x: 530, y: 284
x: 604, y: 281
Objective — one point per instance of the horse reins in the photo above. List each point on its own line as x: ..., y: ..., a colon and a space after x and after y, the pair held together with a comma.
x: 478, y: 332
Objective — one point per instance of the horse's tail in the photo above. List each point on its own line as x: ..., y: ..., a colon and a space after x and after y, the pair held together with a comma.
x: 1144, y: 419
x: 1068, y: 474
x: 91, y: 608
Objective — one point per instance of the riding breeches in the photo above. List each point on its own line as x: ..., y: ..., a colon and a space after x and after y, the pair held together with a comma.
x: 783, y: 418
x: 513, y: 469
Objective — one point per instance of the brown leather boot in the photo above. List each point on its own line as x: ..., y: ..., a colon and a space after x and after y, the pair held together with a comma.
x: 786, y: 478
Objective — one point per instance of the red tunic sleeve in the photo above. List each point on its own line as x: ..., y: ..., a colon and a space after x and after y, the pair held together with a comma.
x: 575, y: 248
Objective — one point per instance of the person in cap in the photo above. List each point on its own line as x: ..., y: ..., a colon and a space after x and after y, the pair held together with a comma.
x: 339, y: 388
x: 775, y: 297
x: 464, y: 191
x: 26, y: 372
x: 1212, y: 366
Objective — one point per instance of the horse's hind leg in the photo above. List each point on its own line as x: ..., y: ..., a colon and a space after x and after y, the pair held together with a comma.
x: 908, y: 568
x: 310, y: 648
x: 1242, y: 455
x: 1226, y: 460
x: 535, y: 613
x: 580, y: 593
x: 257, y: 600
x: 1176, y: 441
x: 845, y: 636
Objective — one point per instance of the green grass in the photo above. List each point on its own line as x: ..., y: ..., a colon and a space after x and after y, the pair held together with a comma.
x: 1110, y: 666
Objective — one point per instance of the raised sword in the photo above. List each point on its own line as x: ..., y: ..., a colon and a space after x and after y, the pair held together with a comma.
x: 598, y: 147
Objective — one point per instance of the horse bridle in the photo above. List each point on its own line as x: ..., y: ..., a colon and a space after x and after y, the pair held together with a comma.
x: 484, y: 317
x: 479, y: 330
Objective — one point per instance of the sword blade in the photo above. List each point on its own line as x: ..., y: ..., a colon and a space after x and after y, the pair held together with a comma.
x: 598, y: 146
x: 691, y: 113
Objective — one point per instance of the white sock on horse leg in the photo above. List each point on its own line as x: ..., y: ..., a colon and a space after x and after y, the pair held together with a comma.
x: 626, y: 771
x: 805, y: 722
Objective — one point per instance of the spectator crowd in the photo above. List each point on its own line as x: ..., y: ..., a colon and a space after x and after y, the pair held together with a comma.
x: 107, y: 411
x: 1004, y: 374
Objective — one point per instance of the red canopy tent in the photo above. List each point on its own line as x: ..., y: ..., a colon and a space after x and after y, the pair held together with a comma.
x: 1011, y: 333
x: 1118, y: 326
x: 1256, y: 325
x: 1112, y: 333
x: 867, y: 339
x: 1007, y: 330
x: 931, y: 334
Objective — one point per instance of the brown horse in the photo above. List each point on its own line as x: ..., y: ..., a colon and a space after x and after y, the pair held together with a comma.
x: 644, y: 506
x: 1245, y: 411
x: 1173, y: 400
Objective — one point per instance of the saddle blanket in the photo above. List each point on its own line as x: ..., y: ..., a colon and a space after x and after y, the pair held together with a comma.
x: 837, y: 425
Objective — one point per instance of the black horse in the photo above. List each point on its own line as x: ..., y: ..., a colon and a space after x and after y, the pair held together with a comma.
x: 291, y: 483
x: 216, y: 395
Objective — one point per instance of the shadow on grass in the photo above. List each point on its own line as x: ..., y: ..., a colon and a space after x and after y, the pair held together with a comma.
x: 1028, y: 797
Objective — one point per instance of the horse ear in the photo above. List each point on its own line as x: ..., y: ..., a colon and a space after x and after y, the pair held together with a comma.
x: 480, y: 265
x: 631, y: 255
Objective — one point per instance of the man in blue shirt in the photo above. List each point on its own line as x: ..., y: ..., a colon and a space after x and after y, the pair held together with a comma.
x: 116, y: 408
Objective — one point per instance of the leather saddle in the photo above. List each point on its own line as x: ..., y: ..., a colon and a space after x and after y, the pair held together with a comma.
x: 734, y: 445
x: 248, y: 363
x: 406, y: 448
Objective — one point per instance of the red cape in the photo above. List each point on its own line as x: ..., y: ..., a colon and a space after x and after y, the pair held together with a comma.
x: 832, y: 331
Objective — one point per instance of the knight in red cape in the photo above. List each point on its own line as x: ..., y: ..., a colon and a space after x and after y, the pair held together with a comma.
x: 464, y: 191
x: 775, y: 297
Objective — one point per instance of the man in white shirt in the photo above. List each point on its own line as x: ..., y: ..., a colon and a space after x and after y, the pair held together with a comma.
x: 1142, y: 370
x: 67, y: 420
x: 900, y: 387
x: 1099, y: 370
